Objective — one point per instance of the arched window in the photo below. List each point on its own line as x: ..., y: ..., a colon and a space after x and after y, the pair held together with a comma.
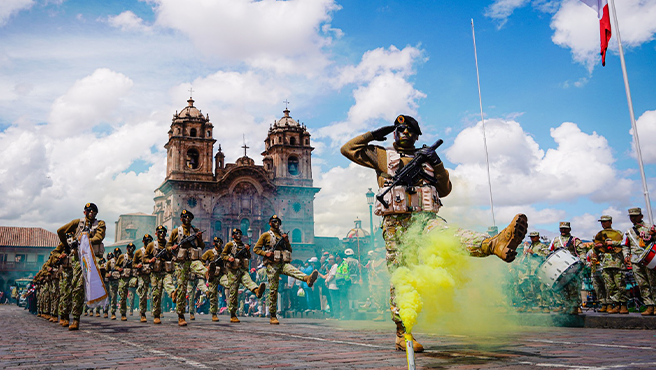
x: 217, y: 228
x: 192, y: 158
x: 209, y: 133
x: 292, y: 141
x: 292, y: 166
x: 244, y: 225
x: 297, y: 236
x: 192, y: 132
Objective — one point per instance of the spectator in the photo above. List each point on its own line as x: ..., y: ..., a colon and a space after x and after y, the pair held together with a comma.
x: 333, y: 289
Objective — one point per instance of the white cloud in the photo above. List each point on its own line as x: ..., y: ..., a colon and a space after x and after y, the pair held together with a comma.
x: 586, y: 226
x: 576, y: 27
x: 500, y: 10
x: 11, y: 7
x: 522, y: 173
x: 128, y: 21
x: 646, y: 124
x: 378, y: 62
x: 88, y: 102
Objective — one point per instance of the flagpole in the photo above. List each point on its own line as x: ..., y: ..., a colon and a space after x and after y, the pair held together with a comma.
x: 480, y: 103
x: 636, y: 140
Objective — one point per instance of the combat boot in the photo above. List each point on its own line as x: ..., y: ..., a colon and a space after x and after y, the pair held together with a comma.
x: 45, y: 316
x: 215, y: 318
x: 400, y: 340
x: 75, y: 325
x: 504, y: 244
x: 648, y: 311
x: 192, y: 317
x: 234, y: 319
x: 157, y: 320
x: 310, y: 279
x: 604, y: 308
x: 53, y: 319
x: 106, y: 315
x: 123, y: 318
x: 64, y: 323
x: 274, y: 320
x: 181, y: 320
x: 98, y: 314
x: 623, y: 309
x: 615, y: 309
x: 86, y: 313
x: 143, y: 318
x: 113, y: 316
x: 546, y: 310
x: 259, y: 291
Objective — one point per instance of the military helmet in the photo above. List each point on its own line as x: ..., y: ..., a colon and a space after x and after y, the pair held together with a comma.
x: 147, y: 238
x: 635, y: 211
x: 275, y: 217
x: 186, y: 213
x: 218, y: 240
x: 91, y: 207
x: 161, y: 228
x: 412, y: 123
x: 117, y: 251
x: 237, y: 231
x: 131, y: 246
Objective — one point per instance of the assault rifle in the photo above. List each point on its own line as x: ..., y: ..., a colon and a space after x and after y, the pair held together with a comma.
x: 162, y: 252
x: 241, y: 253
x: 411, y: 172
x: 188, y: 239
x: 282, y: 244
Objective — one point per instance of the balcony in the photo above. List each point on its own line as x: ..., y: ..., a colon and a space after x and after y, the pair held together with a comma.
x: 19, y: 266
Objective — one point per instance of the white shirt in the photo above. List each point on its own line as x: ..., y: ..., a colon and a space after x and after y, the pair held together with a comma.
x: 332, y: 285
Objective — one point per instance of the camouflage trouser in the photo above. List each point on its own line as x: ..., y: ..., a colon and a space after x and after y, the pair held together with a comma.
x: 113, y: 294
x: 524, y: 293
x: 169, y: 283
x: 46, y: 297
x: 615, y: 286
x: 600, y: 287
x: 235, y: 277
x: 157, y: 287
x: 142, y: 290
x: 54, y: 297
x: 571, y: 294
x: 123, y: 286
x: 182, y: 273
x: 213, y: 291
x: 395, y: 225
x: 646, y: 280
x: 274, y: 270
x: 77, y: 293
x: 193, y: 284
x: 65, y: 292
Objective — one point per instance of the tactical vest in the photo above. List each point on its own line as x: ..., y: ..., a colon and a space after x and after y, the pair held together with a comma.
x: 192, y: 252
x: 238, y: 262
x: 278, y: 256
x: 400, y: 199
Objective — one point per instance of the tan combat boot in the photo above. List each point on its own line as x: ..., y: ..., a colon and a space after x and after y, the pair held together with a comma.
x: 98, y: 314
x: 106, y: 315
x: 615, y: 309
x: 157, y: 320
x: 65, y: 323
x: 623, y: 309
x: 400, y: 340
x: 113, y: 316
x: 181, y: 320
x: 123, y: 318
x: 53, y: 319
x: 86, y: 313
x: 604, y: 308
x: 259, y: 291
x: 234, y: 319
x: 506, y: 242
x: 143, y: 318
x: 192, y: 317
x: 274, y: 320
x: 648, y: 311
x: 310, y: 279
x: 215, y: 318
x: 75, y: 325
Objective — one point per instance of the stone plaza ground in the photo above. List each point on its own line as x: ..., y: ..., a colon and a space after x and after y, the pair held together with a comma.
x: 29, y: 342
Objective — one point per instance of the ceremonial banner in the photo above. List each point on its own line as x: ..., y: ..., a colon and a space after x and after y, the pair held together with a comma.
x: 601, y: 7
x: 94, y: 286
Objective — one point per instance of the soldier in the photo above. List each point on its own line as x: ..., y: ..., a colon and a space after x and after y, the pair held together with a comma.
x: 608, y: 244
x: 124, y: 266
x: 570, y: 295
x: 430, y: 185
x: 96, y: 229
x: 636, y: 240
x: 105, y: 273
x: 236, y: 256
x: 155, y: 256
x: 180, y: 243
x: 215, y: 275
x: 114, y: 278
x: 196, y: 282
x: 596, y: 273
x: 144, y: 269
x: 64, y: 261
x: 276, y: 250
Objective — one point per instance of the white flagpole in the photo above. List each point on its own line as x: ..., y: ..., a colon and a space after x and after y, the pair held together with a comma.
x: 480, y: 103
x: 636, y: 140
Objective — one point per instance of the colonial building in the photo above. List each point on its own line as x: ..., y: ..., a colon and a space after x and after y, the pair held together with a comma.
x: 223, y: 196
x: 130, y: 228
x: 23, y: 250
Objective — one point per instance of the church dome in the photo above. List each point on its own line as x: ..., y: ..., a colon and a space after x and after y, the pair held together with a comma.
x: 190, y: 111
x: 357, y: 231
x: 286, y: 120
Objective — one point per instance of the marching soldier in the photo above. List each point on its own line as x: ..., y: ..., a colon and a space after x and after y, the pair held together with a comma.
x: 114, y: 277
x: 571, y: 293
x: 155, y: 256
x: 236, y: 256
x: 144, y: 270
x: 637, y: 240
x: 426, y: 191
x: 608, y: 243
x: 96, y: 229
x: 124, y: 266
x: 196, y: 282
x: 184, y: 241
x: 276, y: 250
x: 64, y: 261
x: 215, y: 275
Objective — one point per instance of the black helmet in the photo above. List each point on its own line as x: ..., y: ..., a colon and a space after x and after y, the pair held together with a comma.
x: 147, y: 238
x: 91, y: 207
x: 117, y: 251
x: 218, y: 240
x: 237, y: 231
x: 275, y: 217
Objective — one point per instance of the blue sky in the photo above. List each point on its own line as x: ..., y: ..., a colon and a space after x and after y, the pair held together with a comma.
x: 87, y: 91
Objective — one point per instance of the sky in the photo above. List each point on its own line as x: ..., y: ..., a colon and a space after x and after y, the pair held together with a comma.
x: 88, y: 90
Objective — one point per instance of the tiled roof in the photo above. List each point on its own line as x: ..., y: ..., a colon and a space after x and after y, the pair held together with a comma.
x: 11, y: 236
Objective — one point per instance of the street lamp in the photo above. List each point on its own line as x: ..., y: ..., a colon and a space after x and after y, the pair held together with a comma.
x: 249, y: 233
x: 370, y: 200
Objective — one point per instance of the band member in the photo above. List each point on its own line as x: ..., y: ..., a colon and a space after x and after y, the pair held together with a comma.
x: 637, y: 240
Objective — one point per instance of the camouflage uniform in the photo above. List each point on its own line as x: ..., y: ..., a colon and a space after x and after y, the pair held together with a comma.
x: 570, y: 295
x: 634, y: 246
x: 596, y: 273
x: 112, y: 284
x: 612, y: 263
x: 540, y: 253
x: 237, y: 275
x: 183, y: 263
x: 196, y: 282
x: 124, y: 264
x: 219, y: 278
x: 143, y: 280
x: 158, y: 274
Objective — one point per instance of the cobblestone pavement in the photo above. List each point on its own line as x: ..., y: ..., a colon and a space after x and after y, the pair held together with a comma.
x: 29, y: 342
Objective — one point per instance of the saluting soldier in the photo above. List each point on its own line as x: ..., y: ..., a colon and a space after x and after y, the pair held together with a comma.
x: 96, y: 229
x: 215, y: 275
x: 571, y: 293
x: 637, y: 240
x: 144, y: 270
x: 124, y: 266
x: 154, y: 255
x: 276, y: 250
x: 181, y: 249
x: 114, y: 277
x: 236, y: 256
x: 608, y: 243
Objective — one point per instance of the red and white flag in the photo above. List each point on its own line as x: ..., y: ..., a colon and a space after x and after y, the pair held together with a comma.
x: 601, y: 7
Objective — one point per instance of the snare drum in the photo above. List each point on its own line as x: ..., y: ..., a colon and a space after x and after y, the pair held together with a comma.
x: 648, y: 257
x: 559, y: 269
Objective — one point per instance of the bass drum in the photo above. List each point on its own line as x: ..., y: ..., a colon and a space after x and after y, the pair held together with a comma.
x: 559, y: 269
x: 648, y: 257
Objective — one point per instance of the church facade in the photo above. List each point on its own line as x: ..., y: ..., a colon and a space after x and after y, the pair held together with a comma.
x: 243, y: 195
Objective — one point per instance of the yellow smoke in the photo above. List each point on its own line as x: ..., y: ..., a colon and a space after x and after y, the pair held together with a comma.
x: 451, y: 290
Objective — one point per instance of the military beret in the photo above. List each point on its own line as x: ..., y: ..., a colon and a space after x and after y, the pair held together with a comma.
x: 131, y: 245
x: 605, y: 218
x: 236, y: 231
x: 91, y: 207
x: 160, y: 227
x: 218, y: 240
x: 186, y: 213
x: 275, y: 217
x: 408, y: 121
x: 565, y: 225
x: 147, y: 237
x: 635, y: 211
x: 117, y: 251
x: 534, y: 233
